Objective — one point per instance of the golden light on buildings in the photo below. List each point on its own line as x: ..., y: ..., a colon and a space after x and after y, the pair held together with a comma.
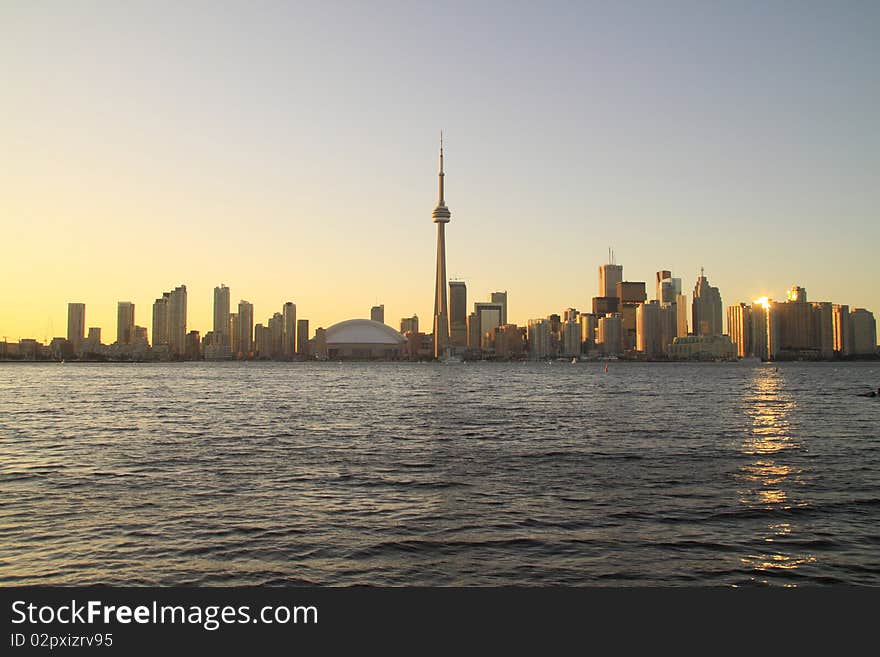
x: 763, y: 301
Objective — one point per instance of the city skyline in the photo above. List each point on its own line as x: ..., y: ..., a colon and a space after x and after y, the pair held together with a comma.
x: 107, y: 202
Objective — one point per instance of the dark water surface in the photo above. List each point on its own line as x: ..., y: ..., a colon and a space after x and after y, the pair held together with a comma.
x: 472, y: 474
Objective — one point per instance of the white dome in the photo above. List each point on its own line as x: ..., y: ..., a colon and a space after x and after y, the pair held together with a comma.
x: 363, y: 331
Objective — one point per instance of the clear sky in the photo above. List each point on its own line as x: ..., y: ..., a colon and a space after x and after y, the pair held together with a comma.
x: 289, y: 150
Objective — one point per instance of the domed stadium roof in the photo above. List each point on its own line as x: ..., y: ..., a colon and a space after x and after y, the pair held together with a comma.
x: 363, y: 331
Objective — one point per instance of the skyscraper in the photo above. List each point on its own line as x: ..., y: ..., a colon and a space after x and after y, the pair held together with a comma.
x: 124, y: 322
x: 441, y: 217
x: 76, y: 324
x: 177, y: 320
x: 863, y: 329
x: 245, y: 327
x: 221, y: 316
x: 409, y: 324
x: 609, y: 276
x: 457, y: 313
x: 706, y: 308
x: 501, y: 299
x: 160, y: 320
x: 302, y: 337
x: 739, y: 327
x: 288, y: 337
x: 377, y: 313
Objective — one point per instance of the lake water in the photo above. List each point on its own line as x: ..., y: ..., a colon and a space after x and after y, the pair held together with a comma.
x: 430, y: 474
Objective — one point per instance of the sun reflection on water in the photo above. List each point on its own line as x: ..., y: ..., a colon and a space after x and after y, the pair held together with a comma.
x: 769, y: 482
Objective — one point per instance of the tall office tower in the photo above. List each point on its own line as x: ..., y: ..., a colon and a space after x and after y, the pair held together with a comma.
x: 739, y: 327
x: 473, y: 331
x: 538, y: 333
x: 681, y: 314
x: 234, y: 334
x: 706, y: 308
x: 302, y: 337
x: 139, y: 339
x: 796, y: 323
x: 377, y: 313
x: 668, y: 325
x: 609, y: 276
x: 124, y: 322
x: 571, y: 338
x: 160, y: 320
x: 411, y: 325
x: 221, y: 316
x: 245, y: 327
x: 441, y: 216
x: 609, y: 335
x: 488, y: 317
x: 589, y: 324
x: 823, y: 328
x: 76, y: 325
x: 841, y: 329
x: 177, y: 321
x: 457, y: 313
x: 648, y: 339
x: 864, y: 332
x: 276, y: 334
x: 630, y: 294
x: 501, y: 299
x: 570, y: 314
x: 288, y: 335
x: 765, y: 329
x: 663, y: 275
x: 667, y: 287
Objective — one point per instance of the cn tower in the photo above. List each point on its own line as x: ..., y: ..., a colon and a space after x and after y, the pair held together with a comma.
x: 441, y: 217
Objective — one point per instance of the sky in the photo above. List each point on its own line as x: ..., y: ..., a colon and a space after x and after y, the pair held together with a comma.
x: 289, y: 150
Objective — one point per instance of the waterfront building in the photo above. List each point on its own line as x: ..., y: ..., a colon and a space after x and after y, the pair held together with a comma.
x: 160, y: 321
x: 363, y: 339
x: 92, y: 343
x: 377, y: 314
x: 630, y: 294
x: 177, y: 321
x: 221, y: 317
x: 648, y: 335
x: 589, y: 324
x: 571, y: 338
x: 124, y: 322
x: 823, y: 328
x: 501, y: 299
x: 609, y: 334
x: 192, y: 346
x: 570, y: 314
x: 441, y: 216
x: 457, y: 314
x: 668, y: 324
x: 276, y: 335
x: 488, y: 317
x: 739, y: 327
x: 702, y: 347
x: 796, y: 330
x: 509, y: 341
x: 473, y: 331
x: 76, y: 325
x: 245, y: 328
x: 539, y: 338
x: 262, y: 341
x: 764, y: 332
x: 234, y: 334
x: 411, y: 325
x: 302, y: 337
x: 841, y: 329
x: 863, y: 329
x: 288, y: 329
x: 706, y: 308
